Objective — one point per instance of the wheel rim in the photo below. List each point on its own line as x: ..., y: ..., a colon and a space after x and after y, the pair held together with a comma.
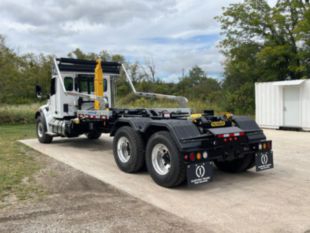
x: 40, y: 129
x: 123, y: 149
x: 161, y: 159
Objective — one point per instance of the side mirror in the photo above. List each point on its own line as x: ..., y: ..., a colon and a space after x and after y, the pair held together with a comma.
x: 39, y: 91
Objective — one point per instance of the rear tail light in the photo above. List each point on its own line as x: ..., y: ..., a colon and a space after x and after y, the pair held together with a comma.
x: 269, y: 145
x: 265, y: 146
x: 231, y: 137
x: 192, y: 156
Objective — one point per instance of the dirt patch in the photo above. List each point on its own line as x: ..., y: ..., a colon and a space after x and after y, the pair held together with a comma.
x: 75, y: 202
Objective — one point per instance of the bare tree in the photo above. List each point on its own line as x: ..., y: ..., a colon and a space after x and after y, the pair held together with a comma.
x: 149, y: 69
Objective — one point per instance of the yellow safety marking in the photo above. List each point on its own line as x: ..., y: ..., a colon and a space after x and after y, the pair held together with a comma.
x: 218, y: 123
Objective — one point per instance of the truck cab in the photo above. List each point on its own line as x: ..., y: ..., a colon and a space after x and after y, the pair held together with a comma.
x: 72, y: 94
x: 72, y: 86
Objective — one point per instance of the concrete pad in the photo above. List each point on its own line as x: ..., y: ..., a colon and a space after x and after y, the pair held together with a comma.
x: 276, y: 200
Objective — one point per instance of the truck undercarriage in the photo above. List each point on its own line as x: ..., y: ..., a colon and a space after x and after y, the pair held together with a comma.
x: 174, y: 144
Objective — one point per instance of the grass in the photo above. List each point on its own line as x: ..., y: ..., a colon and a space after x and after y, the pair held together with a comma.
x: 24, y: 114
x: 17, y: 163
x: 18, y: 114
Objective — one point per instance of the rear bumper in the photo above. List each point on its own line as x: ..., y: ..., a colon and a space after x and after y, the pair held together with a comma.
x: 226, y: 152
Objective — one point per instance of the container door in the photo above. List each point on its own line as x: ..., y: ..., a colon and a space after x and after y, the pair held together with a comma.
x: 291, y: 106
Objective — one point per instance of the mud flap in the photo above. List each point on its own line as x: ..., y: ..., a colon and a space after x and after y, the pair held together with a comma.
x: 199, y: 173
x: 263, y: 160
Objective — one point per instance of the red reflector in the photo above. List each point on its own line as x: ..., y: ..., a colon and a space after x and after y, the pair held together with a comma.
x: 268, y: 146
x: 242, y: 133
x: 192, y: 156
x: 231, y: 135
x: 220, y: 135
x: 185, y: 157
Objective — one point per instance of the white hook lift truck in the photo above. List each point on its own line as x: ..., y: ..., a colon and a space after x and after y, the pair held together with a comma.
x: 174, y: 144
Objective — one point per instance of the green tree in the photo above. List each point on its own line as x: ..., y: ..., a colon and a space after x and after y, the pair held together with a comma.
x: 103, y: 55
x: 197, y: 86
x: 262, y: 43
x: 303, y: 35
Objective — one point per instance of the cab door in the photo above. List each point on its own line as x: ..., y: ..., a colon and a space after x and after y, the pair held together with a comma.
x: 52, y: 100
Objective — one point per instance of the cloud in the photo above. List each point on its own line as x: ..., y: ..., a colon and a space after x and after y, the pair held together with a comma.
x: 175, y: 34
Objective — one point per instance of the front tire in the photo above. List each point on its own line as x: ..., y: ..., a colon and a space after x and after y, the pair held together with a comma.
x: 163, y: 160
x: 41, y: 130
x: 237, y: 165
x: 128, y: 150
x: 93, y: 135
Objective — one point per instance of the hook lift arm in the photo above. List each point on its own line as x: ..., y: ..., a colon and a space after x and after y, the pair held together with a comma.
x: 180, y: 99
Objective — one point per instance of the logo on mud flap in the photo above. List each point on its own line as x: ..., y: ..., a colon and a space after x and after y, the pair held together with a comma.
x: 200, y: 171
x: 264, y: 159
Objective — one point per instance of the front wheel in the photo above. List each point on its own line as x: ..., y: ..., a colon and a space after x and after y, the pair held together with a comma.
x: 41, y: 131
x: 237, y: 165
x: 93, y: 135
x: 163, y: 160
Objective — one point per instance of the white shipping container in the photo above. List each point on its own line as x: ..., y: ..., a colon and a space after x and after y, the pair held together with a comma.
x: 283, y: 104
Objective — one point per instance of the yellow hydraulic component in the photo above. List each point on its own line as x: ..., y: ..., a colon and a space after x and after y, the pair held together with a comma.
x: 98, y: 85
x: 228, y: 115
x: 195, y: 116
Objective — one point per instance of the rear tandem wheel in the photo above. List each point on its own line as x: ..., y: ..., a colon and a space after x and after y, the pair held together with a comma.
x: 163, y: 160
x: 128, y: 150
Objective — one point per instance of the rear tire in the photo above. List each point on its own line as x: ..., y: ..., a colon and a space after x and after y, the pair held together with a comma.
x: 93, y: 135
x: 41, y: 130
x: 237, y: 165
x: 128, y: 150
x: 163, y: 160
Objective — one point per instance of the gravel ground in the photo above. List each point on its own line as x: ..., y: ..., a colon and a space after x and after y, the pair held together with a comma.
x: 275, y: 200
x: 76, y: 202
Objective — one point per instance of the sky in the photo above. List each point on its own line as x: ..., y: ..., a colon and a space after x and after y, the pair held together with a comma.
x: 174, y: 34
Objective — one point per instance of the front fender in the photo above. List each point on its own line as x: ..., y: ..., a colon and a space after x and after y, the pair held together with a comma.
x: 43, y: 112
